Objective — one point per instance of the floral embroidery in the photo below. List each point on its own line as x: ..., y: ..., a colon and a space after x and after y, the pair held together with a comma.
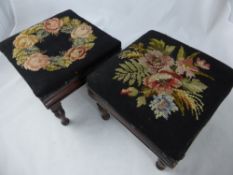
x: 30, y: 57
x: 36, y: 62
x: 163, y: 83
x: 163, y: 105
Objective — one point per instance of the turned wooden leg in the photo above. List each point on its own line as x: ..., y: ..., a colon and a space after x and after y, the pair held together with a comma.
x: 160, y: 165
x: 90, y: 93
x: 104, y: 113
x: 60, y: 113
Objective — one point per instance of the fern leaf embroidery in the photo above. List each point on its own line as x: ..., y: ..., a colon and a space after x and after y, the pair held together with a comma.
x: 131, y: 72
x: 131, y: 54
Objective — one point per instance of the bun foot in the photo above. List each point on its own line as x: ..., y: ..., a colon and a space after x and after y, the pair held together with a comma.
x: 65, y: 121
x: 160, y: 165
x: 60, y: 113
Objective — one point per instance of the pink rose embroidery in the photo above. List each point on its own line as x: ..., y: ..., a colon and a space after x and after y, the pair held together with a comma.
x: 156, y: 61
x: 53, y: 25
x: 76, y: 53
x: 36, y: 62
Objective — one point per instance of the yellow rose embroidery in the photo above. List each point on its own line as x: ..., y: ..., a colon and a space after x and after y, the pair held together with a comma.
x: 25, y: 41
x: 83, y: 31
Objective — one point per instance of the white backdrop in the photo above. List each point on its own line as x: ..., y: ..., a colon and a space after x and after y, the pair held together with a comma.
x: 32, y: 141
x: 7, y: 18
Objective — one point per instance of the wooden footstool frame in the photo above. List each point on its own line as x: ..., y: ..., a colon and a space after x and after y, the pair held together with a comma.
x: 106, y: 110
x: 53, y: 100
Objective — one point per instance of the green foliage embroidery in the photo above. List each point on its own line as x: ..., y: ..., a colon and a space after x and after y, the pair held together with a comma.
x: 130, y: 54
x: 194, y: 85
x: 138, y: 47
x: 131, y: 72
x: 156, y: 44
x: 169, y: 50
x: 160, y: 45
x: 141, y: 101
x: 181, y: 54
x: 67, y: 29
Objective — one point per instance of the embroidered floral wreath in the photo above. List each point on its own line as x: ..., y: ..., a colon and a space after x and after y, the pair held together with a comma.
x: 168, y: 84
x: 30, y: 57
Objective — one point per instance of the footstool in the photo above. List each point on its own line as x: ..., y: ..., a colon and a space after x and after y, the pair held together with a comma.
x: 163, y: 91
x: 55, y: 56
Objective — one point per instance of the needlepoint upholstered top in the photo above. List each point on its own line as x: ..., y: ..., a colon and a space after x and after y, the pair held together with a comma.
x: 52, y: 52
x: 163, y: 89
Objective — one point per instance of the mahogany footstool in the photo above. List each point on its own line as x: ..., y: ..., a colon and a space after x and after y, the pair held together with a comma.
x: 55, y: 56
x: 163, y: 91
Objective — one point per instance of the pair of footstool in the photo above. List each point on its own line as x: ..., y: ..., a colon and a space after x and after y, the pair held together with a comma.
x: 162, y: 90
